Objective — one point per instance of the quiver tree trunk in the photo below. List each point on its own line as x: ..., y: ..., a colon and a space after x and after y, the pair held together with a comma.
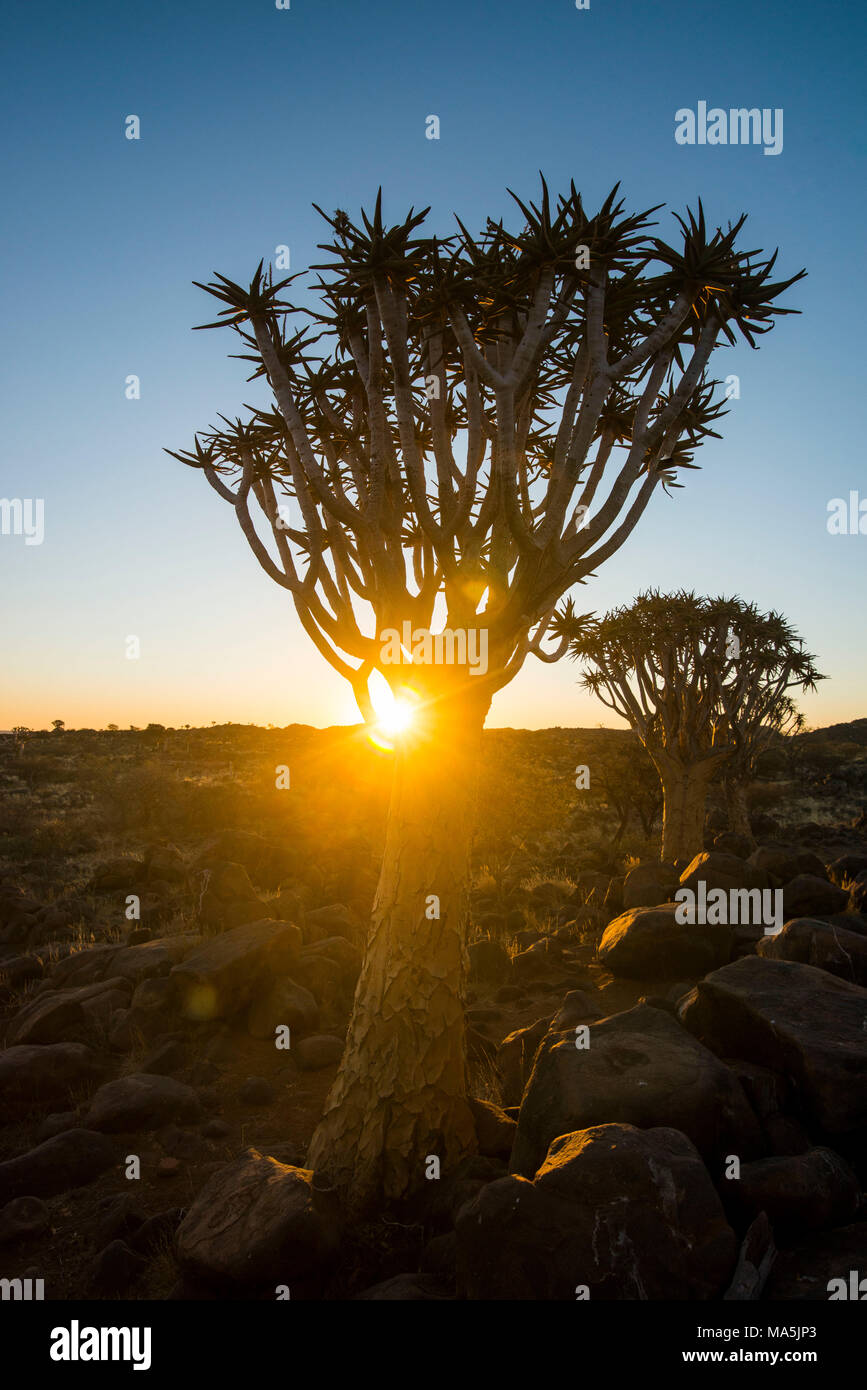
x: 400, y: 1094
x: 684, y: 789
x: 738, y: 808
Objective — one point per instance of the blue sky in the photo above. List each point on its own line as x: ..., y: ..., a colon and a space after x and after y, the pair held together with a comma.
x: 248, y: 115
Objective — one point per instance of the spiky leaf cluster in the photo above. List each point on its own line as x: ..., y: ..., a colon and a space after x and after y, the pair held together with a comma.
x: 473, y: 418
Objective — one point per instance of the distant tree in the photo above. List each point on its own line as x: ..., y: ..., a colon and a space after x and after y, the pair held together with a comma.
x: 630, y: 784
x: 703, y: 682
x: 21, y: 732
x: 112, y: 728
x: 58, y: 725
x: 759, y: 711
x: 568, y: 358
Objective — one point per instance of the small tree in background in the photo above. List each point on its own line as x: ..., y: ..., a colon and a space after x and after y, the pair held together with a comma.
x: 630, y: 784
x: 703, y: 682
x: 756, y: 702
x: 470, y: 427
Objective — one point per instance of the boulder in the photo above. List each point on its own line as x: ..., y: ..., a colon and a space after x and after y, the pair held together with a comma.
x: 151, y: 959
x: 540, y: 960
x: 66, y: 1015
x: 342, y: 952
x: 152, y: 1233
x: 733, y: 843
x: 265, y: 862
x: 164, y: 864
x: 647, y: 885
x: 166, y: 1058
x: 649, y: 942
x: 285, y: 1004
x: 515, y: 1057
x: 329, y: 969
x: 56, y: 1124
x: 31, y: 1072
x: 82, y: 967
x: 116, y: 1269
x: 591, y: 885
x: 153, y: 999
x: 577, y: 1007
x: 228, y: 899
x: 844, y: 870
x: 832, y: 948
x: 641, y: 1068
x: 259, y: 1222
x: 20, y: 970
x: 489, y: 961
x: 813, y: 1270
x: 795, y: 1019
x: 495, y: 1130
x: 121, y: 874
x: 443, y: 1200
x: 786, y: 862
x: 49, y: 1018
x: 763, y: 826
x: 226, y: 972
x: 140, y: 1102
x: 70, y: 1159
x: 408, y: 1288
x: 18, y: 912
x: 321, y: 1050
x: 336, y: 919
x: 800, y: 1193
x: 550, y: 895
x: 808, y: 895
x: 724, y: 871
x: 257, y: 1091
x: 115, y: 1218
x: 24, y: 1218
x: 621, y: 1212
x: 755, y: 1259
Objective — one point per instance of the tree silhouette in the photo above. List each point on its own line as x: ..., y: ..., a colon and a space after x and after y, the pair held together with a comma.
x: 464, y: 428
x: 629, y: 782
x: 704, y: 683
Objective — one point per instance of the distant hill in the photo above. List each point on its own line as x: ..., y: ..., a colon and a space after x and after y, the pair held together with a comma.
x: 853, y: 732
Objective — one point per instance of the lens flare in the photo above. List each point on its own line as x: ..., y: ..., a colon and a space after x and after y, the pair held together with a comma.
x: 394, y: 713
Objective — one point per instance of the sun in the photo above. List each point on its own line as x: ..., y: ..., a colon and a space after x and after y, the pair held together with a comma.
x: 395, y: 714
x: 397, y: 719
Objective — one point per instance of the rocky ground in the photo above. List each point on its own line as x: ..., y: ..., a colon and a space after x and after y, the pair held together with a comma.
x: 662, y: 1112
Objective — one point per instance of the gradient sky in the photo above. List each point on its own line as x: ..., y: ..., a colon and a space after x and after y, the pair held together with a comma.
x: 248, y: 114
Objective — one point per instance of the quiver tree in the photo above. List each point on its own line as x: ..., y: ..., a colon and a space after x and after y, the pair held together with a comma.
x: 703, y: 682
x: 629, y: 783
x: 464, y: 429
x: 756, y: 700
x: 783, y: 722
